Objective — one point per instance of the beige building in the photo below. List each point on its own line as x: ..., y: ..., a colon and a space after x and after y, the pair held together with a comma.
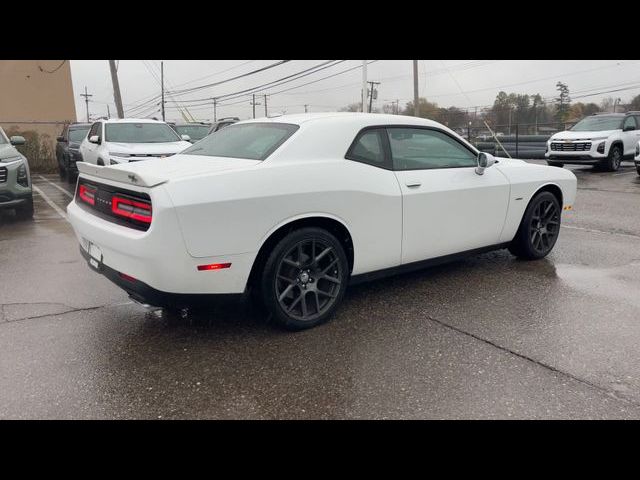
x: 36, y: 99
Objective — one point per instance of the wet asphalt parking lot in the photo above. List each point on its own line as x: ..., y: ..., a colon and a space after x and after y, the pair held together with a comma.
x: 488, y: 337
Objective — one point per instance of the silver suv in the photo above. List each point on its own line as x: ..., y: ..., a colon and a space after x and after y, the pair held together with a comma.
x: 603, y: 139
x: 15, y: 179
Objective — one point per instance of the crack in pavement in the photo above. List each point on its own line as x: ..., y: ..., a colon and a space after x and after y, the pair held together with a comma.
x: 606, y: 232
x: 71, y: 310
x: 609, y: 393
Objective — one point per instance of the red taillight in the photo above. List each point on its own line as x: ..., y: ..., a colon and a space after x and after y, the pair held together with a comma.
x: 87, y: 194
x: 127, y: 208
x: 126, y: 277
x: 214, y: 266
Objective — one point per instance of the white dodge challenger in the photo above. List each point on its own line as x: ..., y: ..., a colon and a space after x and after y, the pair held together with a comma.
x: 295, y: 208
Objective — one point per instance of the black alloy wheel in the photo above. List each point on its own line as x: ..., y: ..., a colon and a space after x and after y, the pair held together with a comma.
x: 305, y: 278
x: 539, y: 229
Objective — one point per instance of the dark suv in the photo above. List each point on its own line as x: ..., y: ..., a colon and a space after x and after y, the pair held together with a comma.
x: 67, y: 149
x: 195, y: 130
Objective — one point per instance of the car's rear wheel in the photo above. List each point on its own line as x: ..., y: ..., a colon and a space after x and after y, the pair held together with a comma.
x: 638, y: 170
x: 612, y: 162
x: 538, y: 229
x: 25, y: 212
x: 555, y: 164
x: 304, y: 278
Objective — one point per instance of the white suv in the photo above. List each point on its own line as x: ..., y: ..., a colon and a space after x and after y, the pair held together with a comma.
x: 603, y: 139
x: 114, y: 141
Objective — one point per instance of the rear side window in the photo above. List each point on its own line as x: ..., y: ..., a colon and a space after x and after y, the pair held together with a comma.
x: 253, y: 141
x: 368, y: 147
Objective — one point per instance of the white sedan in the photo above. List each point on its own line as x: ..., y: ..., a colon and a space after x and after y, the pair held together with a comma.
x: 295, y: 208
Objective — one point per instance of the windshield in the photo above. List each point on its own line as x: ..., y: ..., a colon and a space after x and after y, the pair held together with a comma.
x: 196, y: 132
x: 598, y: 123
x: 140, y: 133
x: 78, y: 134
x: 254, y: 141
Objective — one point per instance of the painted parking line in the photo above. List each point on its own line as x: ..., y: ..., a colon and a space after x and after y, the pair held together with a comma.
x: 58, y: 210
x: 593, y: 230
x: 66, y: 192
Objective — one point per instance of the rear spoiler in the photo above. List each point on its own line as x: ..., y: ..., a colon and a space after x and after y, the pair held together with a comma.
x: 119, y: 175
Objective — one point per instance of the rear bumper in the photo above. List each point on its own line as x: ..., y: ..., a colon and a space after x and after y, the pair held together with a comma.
x: 158, y: 258
x: 143, y: 293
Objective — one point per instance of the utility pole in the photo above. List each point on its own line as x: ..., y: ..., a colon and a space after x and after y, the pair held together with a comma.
x: 416, y: 109
x: 116, y: 88
x: 305, y: 108
x: 162, y: 87
x: 396, y: 107
x: 373, y: 84
x: 253, y: 102
x: 265, y: 105
x: 215, y: 113
x: 108, y: 112
x: 86, y: 100
x: 364, y: 85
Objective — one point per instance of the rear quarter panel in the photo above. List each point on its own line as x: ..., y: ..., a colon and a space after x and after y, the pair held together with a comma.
x: 235, y: 212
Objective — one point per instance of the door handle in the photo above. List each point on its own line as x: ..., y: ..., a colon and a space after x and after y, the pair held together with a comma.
x: 413, y: 184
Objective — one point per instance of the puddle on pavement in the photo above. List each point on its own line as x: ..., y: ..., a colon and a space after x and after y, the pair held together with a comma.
x: 620, y: 283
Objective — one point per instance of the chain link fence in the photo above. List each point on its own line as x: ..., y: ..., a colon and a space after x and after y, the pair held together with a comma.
x: 520, y: 140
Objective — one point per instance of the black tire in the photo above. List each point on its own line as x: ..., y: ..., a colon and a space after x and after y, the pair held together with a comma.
x: 100, y: 162
x: 62, y: 172
x: 25, y: 212
x: 72, y: 177
x: 319, y: 273
x: 538, y: 231
x: 555, y: 164
x: 638, y: 170
x: 613, y: 161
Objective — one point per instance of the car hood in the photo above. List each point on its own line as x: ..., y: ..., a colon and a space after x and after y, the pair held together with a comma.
x: 148, y: 148
x: 156, y: 172
x: 569, y: 135
x: 8, y: 151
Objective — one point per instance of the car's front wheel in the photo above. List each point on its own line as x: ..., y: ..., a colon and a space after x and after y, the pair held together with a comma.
x: 304, y: 278
x: 538, y: 229
x: 25, y: 211
x: 612, y: 162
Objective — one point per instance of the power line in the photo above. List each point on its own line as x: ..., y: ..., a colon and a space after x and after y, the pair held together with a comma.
x: 253, y: 72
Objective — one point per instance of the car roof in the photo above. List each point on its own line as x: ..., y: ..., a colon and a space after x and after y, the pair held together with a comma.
x: 130, y: 120
x: 352, y: 118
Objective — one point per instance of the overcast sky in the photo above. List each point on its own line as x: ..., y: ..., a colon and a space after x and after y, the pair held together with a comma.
x: 463, y: 83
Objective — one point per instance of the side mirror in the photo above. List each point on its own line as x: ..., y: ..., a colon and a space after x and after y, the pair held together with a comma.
x: 17, y: 140
x: 485, y: 160
x: 60, y: 139
x: 186, y: 138
x: 628, y: 128
x: 94, y: 139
